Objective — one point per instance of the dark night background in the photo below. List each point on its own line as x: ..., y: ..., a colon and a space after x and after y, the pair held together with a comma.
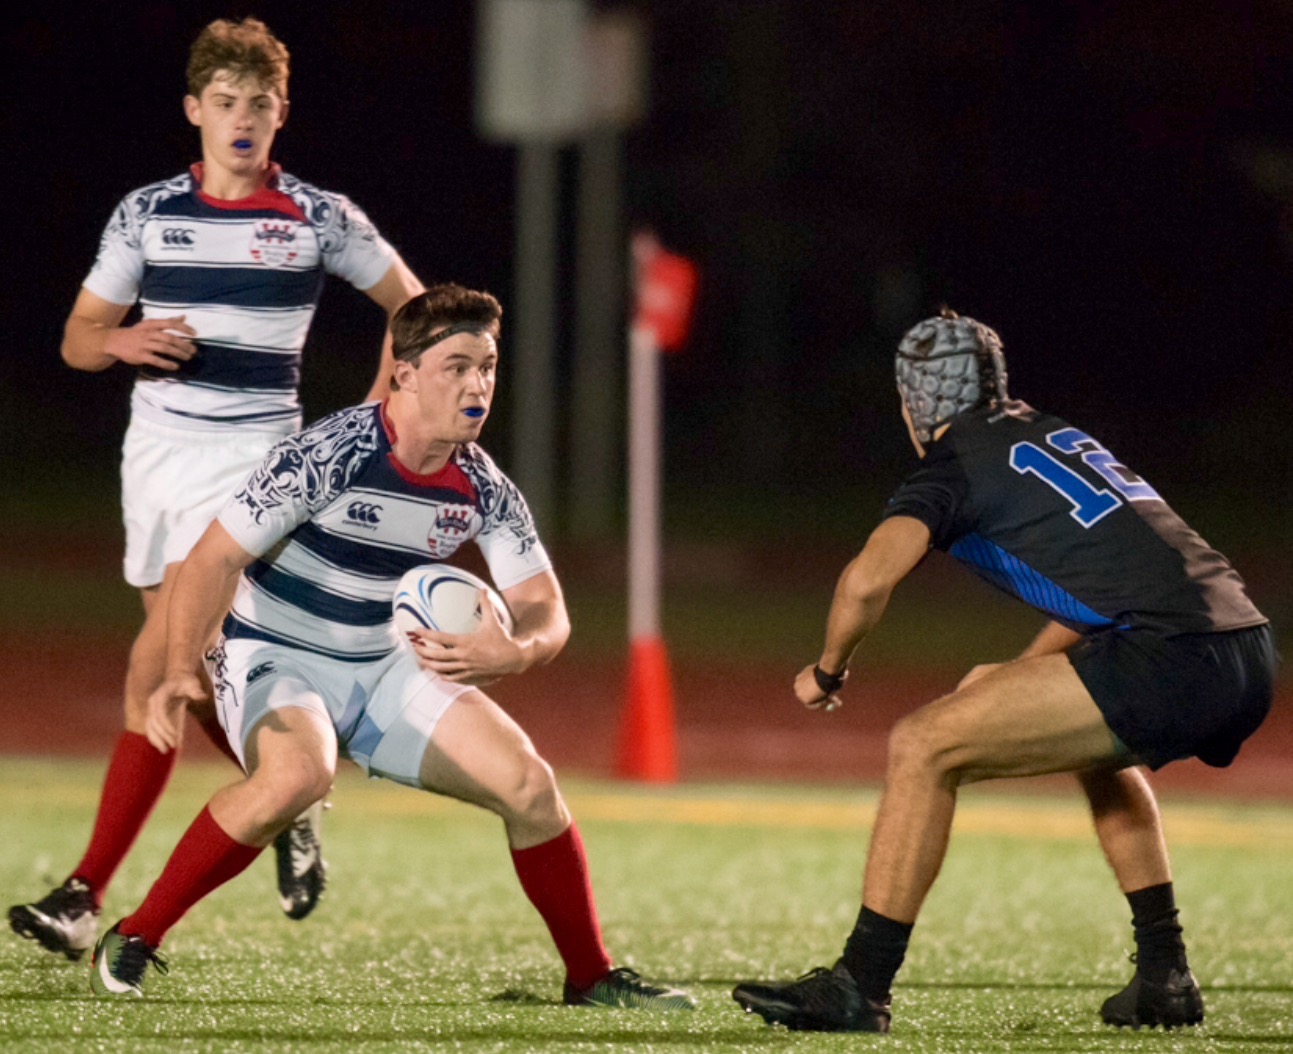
x: 1108, y: 185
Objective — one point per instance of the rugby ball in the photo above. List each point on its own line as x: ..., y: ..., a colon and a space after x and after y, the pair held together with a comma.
x: 444, y: 598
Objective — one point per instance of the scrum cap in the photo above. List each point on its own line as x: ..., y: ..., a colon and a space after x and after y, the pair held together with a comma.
x: 947, y: 365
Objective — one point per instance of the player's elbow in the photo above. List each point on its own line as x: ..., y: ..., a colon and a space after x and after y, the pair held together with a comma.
x: 75, y: 352
x: 865, y: 585
x: 556, y: 637
x: 72, y: 355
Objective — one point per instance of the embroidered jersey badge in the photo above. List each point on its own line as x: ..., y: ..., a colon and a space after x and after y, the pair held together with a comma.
x: 273, y: 242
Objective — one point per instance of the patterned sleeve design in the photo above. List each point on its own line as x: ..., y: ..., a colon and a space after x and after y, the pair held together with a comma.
x: 351, y: 246
x: 508, y: 539
x: 501, y: 504
x: 299, y: 476
x: 119, y: 266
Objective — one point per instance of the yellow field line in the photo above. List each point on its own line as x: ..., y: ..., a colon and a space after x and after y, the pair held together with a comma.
x: 1050, y: 818
x: 1189, y: 825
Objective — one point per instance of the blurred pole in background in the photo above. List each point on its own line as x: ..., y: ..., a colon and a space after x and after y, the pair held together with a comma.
x: 531, y: 89
x: 618, y: 70
x: 534, y: 335
x: 665, y: 286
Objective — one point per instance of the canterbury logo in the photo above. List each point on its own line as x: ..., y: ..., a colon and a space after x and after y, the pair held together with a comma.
x: 258, y: 672
x: 363, y: 512
x: 177, y: 236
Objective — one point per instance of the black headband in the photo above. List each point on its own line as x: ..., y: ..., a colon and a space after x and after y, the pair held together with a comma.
x: 458, y: 327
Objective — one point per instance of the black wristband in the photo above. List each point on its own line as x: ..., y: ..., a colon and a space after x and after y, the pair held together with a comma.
x: 829, y: 683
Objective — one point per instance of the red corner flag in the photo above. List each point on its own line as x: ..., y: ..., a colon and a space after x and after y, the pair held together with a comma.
x: 666, y: 297
x: 666, y: 292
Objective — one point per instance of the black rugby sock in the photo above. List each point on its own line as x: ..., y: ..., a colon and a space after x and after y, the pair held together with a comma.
x: 874, y: 952
x: 1160, y: 948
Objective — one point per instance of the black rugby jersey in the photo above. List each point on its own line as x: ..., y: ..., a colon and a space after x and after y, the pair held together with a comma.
x: 1041, y: 510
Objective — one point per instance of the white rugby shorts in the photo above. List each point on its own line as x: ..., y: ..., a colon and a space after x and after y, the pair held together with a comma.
x: 384, y: 712
x: 173, y: 483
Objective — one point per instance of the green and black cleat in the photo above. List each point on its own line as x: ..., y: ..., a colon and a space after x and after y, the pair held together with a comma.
x: 624, y: 989
x: 120, y: 963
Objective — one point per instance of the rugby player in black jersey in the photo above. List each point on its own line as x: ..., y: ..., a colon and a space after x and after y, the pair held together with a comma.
x: 1153, y: 653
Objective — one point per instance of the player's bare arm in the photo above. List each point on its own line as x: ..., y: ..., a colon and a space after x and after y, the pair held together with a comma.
x: 541, y: 629
x: 861, y: 596
x: 93, y: 337
x: 202, y: 594
x: 396, y: 287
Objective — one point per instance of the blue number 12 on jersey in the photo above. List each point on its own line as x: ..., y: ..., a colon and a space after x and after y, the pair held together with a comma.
x: 1090, y: 503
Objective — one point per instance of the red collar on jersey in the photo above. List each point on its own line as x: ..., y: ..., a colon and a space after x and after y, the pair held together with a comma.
x: 451, y: 477
x: 267, y: 199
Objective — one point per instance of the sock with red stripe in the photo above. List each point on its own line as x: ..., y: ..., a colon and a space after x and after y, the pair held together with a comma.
x: 204, y: 859
x: 554, y: 876
x: 137, y: 776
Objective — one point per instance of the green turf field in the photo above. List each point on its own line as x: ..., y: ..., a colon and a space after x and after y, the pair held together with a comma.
x: 426, y: 943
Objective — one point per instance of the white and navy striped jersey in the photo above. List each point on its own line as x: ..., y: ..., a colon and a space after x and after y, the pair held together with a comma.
x: 247, y: 276
x: 336, y: 520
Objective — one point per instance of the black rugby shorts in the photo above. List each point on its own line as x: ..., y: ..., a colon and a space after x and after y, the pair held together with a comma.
x: 1194, y: 695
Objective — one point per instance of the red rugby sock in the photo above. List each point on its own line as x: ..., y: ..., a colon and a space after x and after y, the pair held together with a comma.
x: 554, y: 876
x: 137, y: 775
x: 204, y: 859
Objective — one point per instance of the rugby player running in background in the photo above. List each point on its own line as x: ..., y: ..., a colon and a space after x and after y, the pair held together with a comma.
x: 1154, y: 653
x: 310, y: 666
x: 226, y: 262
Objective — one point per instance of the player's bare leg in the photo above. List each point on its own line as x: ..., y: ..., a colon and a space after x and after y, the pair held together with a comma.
x: 66, y: 919
x: 300, y: 867
x: 1023, y: 718
x: 1163, y: 990
x: 1127, y: 822
x: 293, y: 756
x: 478, y: 754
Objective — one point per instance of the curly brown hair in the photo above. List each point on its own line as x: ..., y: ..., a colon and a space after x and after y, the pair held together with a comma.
x: 245, y: 49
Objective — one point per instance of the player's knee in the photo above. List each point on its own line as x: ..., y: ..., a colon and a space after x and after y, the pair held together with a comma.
x: 918, y: 744
x: 287, y: 787
x: 532, y: 795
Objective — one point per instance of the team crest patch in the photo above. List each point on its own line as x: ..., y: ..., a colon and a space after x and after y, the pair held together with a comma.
x: 273, y: 242
x: 453, y: 525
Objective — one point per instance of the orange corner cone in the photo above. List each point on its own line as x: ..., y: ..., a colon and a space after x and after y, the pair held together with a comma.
x: 648, y: 747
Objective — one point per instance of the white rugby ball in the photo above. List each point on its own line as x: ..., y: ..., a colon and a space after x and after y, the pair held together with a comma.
x: 444, y: 598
